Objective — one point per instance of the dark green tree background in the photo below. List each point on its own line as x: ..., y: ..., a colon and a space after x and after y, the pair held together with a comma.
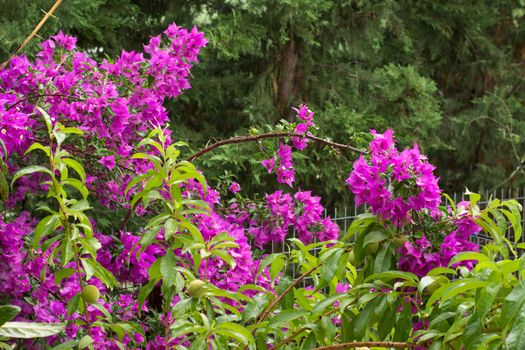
x: 446, y: 74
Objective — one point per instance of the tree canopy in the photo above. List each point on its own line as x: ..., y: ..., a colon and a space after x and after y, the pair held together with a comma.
x: 447, y: 75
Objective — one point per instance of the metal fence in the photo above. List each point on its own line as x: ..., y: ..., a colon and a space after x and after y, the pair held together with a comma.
x: 344, y: 216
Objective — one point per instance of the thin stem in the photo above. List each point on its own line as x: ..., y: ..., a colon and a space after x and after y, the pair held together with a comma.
x: 167, y: 331
x: 270, y: 135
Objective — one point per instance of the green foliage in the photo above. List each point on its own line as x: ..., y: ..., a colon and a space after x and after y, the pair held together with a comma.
x: 443, y: 74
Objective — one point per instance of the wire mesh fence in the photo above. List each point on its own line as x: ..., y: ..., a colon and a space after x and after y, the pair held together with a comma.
x: 343, y: 217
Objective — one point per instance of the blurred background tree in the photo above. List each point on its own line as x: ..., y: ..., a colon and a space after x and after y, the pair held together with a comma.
x: 445, y: 74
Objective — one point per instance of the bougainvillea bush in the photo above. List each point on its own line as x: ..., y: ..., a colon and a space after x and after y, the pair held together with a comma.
x: 111, y: 237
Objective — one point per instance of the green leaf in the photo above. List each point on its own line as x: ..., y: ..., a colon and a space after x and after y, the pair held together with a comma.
x: 38, y: 145
x: 4, y: 186
x: 79, y: 206
x: 171, y: 226
x: 184, y: 306
x: 47, y: 119
x: 218, y: 292
x: 227, y: 257
x: 374, y: 237
x: 277, y: 266
x: 255, y: 307
x: 188, y: 328
x: 221, y: 237
x: 451, y: 202
x: 269, y: 259
x: 31, y: 170
x: 448, y: 291
x: 404, y: 324
x: 323, y: 304
x: 329, y: 268
x: 71, y: 130
x: 426, y: 281
x: 144, y: 292
x: 473, y: 198
x: 85, y: 342
x: 390, y: 275
x: 90, y: 245
x: 302, y: 299
x: 103, y: 310
x: 361, y: 221
x: 44, y: 228
x: 383, y: 259
x: 29, y: 330
x: 363, y: 319
x: 66, y: 346
x: 309, y: 343
x: 194, y: 231
x: 441, y: 270
x: 347, y: 326
x: 512, y: 305
x: 168, y: 269
x: 481, y: 258
x: 73, y: 304
x: 93, y: 268
x: 73, y: 164
x: 286, y: 316
x: 63, y: 273
x: 514, y: 216
x: 484, y: 302
x: 386, y: 323
x: 7, y: 313
x: 238, y: 332
x: 287, y: 302
x: 516, y: 337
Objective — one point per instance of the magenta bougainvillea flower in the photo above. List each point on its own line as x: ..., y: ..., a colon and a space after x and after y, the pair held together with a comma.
x: 282, y: 163
x: 283, y: 214
x: 393, y: 183
x: 234, y: 187
x: 396, y: 185
x: 108, y: 162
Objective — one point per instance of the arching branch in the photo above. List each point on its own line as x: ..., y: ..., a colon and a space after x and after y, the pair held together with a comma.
x: 272, y: 135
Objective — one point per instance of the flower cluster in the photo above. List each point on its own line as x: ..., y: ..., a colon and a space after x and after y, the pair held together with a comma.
x: 421, y: 256
x: 114, y: 103
x: 397, y: 185
x: 24, y: 276
x: 14, y: 274
x: 394, y: 183
x: 281, y: 214
x: 283, y: 164
x: 306, y: 115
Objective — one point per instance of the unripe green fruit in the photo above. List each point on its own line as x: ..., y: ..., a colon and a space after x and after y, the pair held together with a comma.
x: 400, y: 241
x: 351, y: 257
x: 90, y: 294
x: 196, y: 289
x: 371, y: 248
